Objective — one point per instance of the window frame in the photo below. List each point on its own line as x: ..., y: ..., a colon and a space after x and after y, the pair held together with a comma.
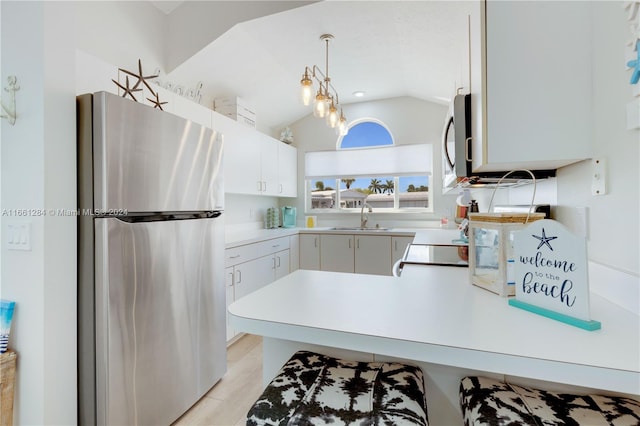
x: 395, y: 210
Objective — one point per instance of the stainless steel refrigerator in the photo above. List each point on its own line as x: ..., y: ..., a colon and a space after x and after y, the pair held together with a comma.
x: 151, y: 296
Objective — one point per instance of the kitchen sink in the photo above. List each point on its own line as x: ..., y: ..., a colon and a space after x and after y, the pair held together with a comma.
x: 357, y: 228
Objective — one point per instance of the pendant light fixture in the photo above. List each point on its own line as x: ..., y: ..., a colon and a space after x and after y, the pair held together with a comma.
x: 326, y: 102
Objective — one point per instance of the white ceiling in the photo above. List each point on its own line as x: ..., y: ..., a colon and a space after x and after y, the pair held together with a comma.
x: 384, y: 48
x: 166, y: 6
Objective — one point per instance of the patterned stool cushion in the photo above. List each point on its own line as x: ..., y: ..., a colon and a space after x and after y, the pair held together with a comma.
x: 487, y: 401
x: 314, y: 389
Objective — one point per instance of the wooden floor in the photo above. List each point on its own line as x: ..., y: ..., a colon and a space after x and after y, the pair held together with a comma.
x: 227, y: 403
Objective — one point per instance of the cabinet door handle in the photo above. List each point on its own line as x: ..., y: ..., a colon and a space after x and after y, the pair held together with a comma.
x: 278, y: 257
x: 395, y: 247
x: 358, y: 243
x: 259, y: 186
x: 274, y: 263
x: 231, y: 273
x: 315, y: 242
x: 239, y: 280
x: 264, y: 185
x: 280, y: 190
x: 349, y: 242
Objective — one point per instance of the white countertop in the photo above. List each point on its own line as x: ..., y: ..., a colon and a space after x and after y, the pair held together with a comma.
x: 422, y: 236
x: 433, y: 314
x: 238, y: 238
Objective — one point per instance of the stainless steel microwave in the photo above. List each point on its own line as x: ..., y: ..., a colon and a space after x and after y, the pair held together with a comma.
x: 457, y: 152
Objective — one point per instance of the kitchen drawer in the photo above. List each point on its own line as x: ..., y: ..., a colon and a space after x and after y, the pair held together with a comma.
x: 273, y: 246
x: 241, y: 254
x: 247, y: 252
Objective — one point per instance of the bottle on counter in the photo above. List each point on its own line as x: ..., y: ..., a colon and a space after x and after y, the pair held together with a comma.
x: 473, y: 207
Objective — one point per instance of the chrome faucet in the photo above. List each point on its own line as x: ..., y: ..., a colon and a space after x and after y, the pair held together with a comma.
x: 363, y: 216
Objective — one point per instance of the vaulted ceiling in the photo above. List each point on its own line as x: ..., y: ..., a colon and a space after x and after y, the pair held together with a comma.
x: 383, y: 48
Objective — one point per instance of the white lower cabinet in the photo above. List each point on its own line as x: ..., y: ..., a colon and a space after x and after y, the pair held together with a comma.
x: 281, y: 264
x: 229, y: 275
x: 294, y: 253
x: 251, y: 267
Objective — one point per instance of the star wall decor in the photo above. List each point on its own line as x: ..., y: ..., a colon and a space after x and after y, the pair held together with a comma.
x: 127, y: 89
x: 156, y: 102
x: 140, y: 76
x: 544, y: 240
x: 141, y: 80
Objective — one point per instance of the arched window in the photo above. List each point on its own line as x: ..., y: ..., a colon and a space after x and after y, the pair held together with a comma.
x: 368, y: 167
x: 364, y: 134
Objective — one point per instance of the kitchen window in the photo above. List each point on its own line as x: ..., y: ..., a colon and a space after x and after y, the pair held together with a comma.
x: 369, y: 167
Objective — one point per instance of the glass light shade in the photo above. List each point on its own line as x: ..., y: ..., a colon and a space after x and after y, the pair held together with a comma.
x: 320, y: 105
x: 307, y: 90
x: 332, y: 116
x: 342, y: 128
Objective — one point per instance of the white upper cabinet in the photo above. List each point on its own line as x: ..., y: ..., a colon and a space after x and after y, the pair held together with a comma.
x: 242, y: 156
x: 268, y: 164
x: 531, y: 84
x: 255, y: 163
x: 287, y: 170
x: 188, y: 109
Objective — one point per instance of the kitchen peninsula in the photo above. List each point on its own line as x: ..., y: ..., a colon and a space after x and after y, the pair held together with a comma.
x: 433, y: 317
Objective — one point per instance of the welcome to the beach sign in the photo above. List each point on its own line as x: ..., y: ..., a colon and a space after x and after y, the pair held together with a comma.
x: 550, y: 265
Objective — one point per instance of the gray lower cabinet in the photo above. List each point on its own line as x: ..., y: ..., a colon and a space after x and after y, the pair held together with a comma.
x: 363, y: 254
x: 309, y: 252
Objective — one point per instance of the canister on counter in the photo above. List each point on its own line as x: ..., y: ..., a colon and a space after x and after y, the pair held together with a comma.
x: 491, y: 249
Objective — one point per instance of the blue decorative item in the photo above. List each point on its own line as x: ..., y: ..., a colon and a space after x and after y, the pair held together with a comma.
x: 635, y: 64
x: 6, y: 315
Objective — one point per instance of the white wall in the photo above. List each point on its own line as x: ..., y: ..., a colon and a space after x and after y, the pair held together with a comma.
x: 38, y: 172
x: 121, y: 32
x: 614, y: 228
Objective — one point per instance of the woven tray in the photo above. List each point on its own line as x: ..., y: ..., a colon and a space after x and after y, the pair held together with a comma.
x: 505, y: 217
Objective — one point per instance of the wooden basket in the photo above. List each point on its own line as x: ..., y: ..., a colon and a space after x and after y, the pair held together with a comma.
x: 7, y: 382
x: 506, y: 217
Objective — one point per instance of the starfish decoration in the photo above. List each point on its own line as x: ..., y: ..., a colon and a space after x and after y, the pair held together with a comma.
x: 544, y: 240
x: 635, y: 64
x: 140, y: 76
x: 156, y: 102
x: 127, y: 89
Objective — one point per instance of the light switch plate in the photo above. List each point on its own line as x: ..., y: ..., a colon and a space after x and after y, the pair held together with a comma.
x: 18, y: 236
x: 599, y: 182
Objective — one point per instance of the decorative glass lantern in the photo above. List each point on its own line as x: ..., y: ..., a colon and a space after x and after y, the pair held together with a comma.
x: 491, y: 249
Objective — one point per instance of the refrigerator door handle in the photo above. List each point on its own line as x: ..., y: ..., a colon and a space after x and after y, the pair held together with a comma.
x: 163, y: 217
